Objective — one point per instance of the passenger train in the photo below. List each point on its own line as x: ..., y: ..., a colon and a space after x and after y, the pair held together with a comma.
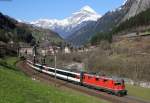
x: 114, y: 86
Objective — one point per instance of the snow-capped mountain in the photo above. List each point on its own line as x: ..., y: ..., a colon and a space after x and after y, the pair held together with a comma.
x: 70, y: 24
x: 108, y: 21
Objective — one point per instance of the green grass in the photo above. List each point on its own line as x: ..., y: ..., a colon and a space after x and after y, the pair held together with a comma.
x: 147, y: 32
x: 140, y: 92
x: 15, y: 87
x: 11, y: 60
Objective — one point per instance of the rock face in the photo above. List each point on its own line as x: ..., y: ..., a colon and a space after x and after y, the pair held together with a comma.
x: 136, y: 7
x: 82, y: 36
x: 113, y: 18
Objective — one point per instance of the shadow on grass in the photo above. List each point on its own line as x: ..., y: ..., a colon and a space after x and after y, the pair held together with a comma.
x: 4, y: 63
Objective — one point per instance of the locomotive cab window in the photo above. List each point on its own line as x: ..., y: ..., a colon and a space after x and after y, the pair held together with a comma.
x: 117, y: 83
x: 83, y: 77
x: 89, y: 77
x: 97, y: 79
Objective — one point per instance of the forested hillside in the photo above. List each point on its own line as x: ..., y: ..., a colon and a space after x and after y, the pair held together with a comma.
x: 13, y: 33
x: 10, y: 30
x: 140, y: 20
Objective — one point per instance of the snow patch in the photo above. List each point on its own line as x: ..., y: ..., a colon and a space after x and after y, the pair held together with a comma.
x: 88, y: 8
x: 124, y: 2
x: 67, y: 25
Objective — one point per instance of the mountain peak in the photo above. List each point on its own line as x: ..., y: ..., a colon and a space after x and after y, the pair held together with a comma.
x: 88, y: 9
x: 70, y: 24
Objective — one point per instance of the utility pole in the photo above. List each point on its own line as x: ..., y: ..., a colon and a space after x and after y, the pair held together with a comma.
x: 55, y: 64
x: 34, y: 53
x: 87, y: 59
x: 18, y: 51
x: 35, y: 58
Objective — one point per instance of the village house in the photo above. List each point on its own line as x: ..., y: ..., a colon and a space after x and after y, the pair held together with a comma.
x: 67, y: 50
x: 26, y: 50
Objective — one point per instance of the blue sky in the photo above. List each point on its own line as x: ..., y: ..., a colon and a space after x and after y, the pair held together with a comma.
x: 30, y: 10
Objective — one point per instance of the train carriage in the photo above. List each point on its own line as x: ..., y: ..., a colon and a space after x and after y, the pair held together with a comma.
x: 62, y: 74
x: 110, y: 85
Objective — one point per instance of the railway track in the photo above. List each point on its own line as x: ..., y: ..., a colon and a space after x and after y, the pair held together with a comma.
x: 64, y: 84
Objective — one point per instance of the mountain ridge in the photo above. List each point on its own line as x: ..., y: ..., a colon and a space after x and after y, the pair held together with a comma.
x: 15, y: 31
x: 70, y: 24
x: 137, y: 7
x: 108, y: 21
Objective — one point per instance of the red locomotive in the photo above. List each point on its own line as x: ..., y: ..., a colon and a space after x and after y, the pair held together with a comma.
x: 110, y: 85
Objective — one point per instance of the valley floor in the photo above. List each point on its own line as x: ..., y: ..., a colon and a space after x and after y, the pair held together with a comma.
x: 16, y: 87
x: 140, y: 92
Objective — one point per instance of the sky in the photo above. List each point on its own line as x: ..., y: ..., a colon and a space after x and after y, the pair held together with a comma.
x: 31, y: 10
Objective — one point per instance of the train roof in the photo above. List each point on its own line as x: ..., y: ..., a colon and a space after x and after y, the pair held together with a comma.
x: 63, y: 70
x: 105, y: 77
x: 60, y: 70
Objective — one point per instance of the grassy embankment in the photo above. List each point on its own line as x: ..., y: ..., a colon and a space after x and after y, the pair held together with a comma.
x: 15, y: 87
x: 143, y: 93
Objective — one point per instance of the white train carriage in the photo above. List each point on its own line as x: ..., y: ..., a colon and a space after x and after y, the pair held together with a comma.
x: 62, y: 74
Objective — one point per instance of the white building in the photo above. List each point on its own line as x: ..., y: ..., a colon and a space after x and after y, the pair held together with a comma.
x: 26, y: 50
x: 67, y: 50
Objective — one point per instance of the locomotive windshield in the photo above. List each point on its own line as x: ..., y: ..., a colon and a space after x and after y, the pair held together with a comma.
x: 118, y: 83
